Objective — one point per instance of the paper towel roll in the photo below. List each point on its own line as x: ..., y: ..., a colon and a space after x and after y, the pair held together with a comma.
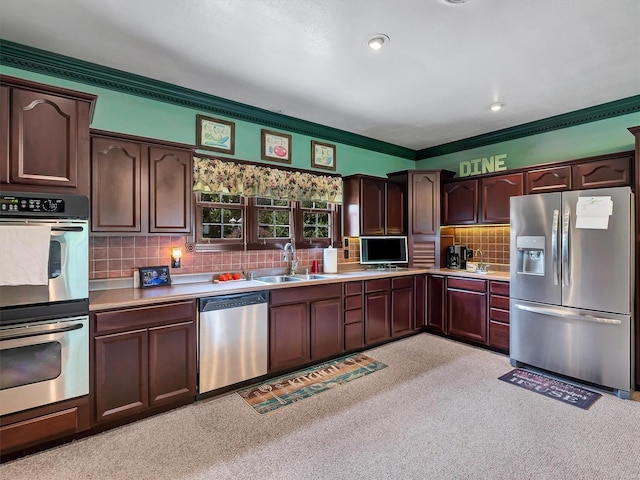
x: 330, y: 260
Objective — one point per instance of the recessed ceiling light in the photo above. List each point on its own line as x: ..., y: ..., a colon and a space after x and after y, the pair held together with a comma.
x: 276, y: 109
x: 377, y: 41
x: 496, y: 106
x: 455, y: 2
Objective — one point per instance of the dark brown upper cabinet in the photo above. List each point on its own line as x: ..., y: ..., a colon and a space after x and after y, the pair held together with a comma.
x: 140, y: 187
x: 423, y: 213
x: 496, y: 192
x: 44, y: 132
x: 373, y: 206
x: 551, y: 179
x: 460, y: 202
x: 615, y: 172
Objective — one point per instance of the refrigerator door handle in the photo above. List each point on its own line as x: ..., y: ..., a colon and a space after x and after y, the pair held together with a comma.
x: 571, y: 316
x: 566, y: 280
x: 554, y: 246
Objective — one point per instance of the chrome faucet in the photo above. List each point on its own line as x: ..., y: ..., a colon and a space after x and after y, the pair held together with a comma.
x: 482, y: 267
x: 289, y: 248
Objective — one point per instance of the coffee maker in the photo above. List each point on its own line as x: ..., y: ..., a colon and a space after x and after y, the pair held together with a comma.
x: 457, y: 256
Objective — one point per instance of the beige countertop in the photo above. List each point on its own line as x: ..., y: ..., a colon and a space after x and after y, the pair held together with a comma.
x: 501, y: 276
x: 129, y: 297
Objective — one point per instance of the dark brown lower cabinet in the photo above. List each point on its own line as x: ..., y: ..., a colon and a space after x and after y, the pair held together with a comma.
x: 353, y: 316
x: 499, y: 315
x: 23, y: 430
x: 436, y: 304
x: 144, y: 358
x: 305, y: 324
x: 289, y: 341
x: 402, y: 305
x: 467, y: 308
x: 420, y: 285
x: 377, y: 323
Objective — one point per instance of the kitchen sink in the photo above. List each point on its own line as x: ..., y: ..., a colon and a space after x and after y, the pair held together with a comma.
x: 277, y: 279
x: 310, y: 276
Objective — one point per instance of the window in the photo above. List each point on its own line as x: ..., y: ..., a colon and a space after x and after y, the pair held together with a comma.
x: 315, y: 221
x: 220, y: 220
x: 270, y: 223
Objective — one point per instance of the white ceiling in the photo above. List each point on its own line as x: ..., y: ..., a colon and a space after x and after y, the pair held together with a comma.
x: 432, y: 84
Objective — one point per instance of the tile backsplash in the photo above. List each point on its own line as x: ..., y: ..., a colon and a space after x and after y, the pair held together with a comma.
x: 492, y: 240
x: 121, y: 256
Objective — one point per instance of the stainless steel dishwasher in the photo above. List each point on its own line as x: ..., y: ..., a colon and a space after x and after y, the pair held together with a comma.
x: 233, y: 339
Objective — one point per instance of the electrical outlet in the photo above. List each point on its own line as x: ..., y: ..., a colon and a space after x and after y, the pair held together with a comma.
x: 346, y: 242
x: 346, y: 254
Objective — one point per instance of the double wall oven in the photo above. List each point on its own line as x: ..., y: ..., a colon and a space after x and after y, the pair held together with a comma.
x: 44, y: 325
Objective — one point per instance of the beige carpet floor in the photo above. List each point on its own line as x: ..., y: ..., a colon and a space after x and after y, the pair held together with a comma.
x: 437, y: 412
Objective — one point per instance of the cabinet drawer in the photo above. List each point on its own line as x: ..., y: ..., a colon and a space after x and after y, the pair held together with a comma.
x: 402, y: 282
x: 352, y: 288
x: 498, y: 301
x: 467, y: 284
x: 499, y: 288
x: 380, y: 284
x: 353, y: 316
x: 499, y: 315
x: 353, y: 302
x: 499, y: 335
x: 304, y: 294
x: 134, y: 318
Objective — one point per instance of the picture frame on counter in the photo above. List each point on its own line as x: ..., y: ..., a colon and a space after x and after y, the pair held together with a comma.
x: 275, y: 146
x: 154, y: 276
x: 215, y: 134
x: 323, y: 155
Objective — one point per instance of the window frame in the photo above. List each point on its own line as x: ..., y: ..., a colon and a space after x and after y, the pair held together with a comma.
x: 222, y: 244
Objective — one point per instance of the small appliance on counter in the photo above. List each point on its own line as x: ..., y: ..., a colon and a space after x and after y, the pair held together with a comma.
x: 457, y: 256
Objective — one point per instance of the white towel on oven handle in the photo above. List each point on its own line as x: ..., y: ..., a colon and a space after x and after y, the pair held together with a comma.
x: 24, y: 255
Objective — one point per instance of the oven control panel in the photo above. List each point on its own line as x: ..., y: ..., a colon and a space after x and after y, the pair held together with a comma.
x: 30, y: 204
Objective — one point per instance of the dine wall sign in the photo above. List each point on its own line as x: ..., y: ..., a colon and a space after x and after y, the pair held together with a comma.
x: 478, y: 166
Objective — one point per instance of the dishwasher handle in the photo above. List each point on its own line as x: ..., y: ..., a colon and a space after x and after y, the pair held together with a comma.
x: 224, y: 302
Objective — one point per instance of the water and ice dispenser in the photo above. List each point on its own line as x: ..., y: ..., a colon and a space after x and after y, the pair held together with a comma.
x: 530, y: 255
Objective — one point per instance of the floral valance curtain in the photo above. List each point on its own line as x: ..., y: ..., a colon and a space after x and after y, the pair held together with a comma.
x: 217, y: 176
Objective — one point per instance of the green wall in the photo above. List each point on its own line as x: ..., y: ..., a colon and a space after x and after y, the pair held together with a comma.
x: 119, y: 112
x: 586, y: 140
x: 137, y: 115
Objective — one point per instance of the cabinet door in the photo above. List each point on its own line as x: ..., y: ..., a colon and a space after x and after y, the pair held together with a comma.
x: 170, y: 190
x: 420, y: 306
x: 377, y: 322
x: 372, y: 207
x: 401, y: 311
x: 496, y: 192
x: 116, y: 184
x: 4, y: 134
x: 326, y: 328
x: 425, y: 204
x: 121, y: 375
x: 288, y: 336
x: 436, y: 304
x: 460, y: 203
x: 395, y: 209
x: 467, y: 314
x: 615, y: 172
x: 172, y: 363
x: 552, y: 179
x: 43, y: 139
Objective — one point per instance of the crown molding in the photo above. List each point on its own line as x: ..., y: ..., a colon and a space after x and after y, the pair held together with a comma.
x: 48, y: 63
x: 591, y: 114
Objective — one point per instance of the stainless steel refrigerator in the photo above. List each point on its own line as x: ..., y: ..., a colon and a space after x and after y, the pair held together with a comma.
x: 572, y: 285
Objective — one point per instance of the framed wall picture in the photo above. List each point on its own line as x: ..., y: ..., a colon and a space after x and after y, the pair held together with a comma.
x: 215, y: 135
x: 275, y: 146
x: 323, y: 155
x: 154, y: 276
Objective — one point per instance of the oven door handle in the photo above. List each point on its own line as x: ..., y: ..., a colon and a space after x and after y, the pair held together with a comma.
x: 67, y: 229
x: 27, y: 334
